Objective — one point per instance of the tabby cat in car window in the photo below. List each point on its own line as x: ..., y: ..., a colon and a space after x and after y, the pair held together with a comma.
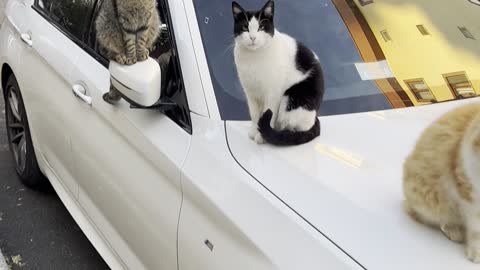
x: 442, y: 178
x: 281, y: 77
x: 126, y: 30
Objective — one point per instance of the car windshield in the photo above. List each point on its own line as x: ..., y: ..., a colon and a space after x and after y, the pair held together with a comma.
x: 375, y: 54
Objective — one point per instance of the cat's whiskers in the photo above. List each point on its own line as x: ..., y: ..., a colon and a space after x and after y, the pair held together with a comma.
x: 229, y: 48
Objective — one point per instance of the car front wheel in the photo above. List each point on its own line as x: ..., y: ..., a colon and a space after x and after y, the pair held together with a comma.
x: 19, y: 137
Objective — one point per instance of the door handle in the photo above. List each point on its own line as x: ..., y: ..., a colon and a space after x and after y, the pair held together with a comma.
x: 80, y: 92
x: 27, y: 39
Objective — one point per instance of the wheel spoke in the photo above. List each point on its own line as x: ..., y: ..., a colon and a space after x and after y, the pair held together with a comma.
x: 16, y: 152
x: 16, y: 129
x: 22, y: 149
x: 18, y: 138
x: 16, y: 126
x: 14, y: 108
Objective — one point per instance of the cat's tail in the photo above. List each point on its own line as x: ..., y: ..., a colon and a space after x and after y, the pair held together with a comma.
x: 285, y: 137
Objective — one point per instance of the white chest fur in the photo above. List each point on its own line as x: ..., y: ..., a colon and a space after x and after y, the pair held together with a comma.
x: 271, y: 70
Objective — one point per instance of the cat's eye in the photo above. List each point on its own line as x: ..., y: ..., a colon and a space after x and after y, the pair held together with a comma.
x: 262, y: 27
x: 244, y: 28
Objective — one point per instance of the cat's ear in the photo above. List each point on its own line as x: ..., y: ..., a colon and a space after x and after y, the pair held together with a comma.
x: 237, y: 9
x: 269, y: 9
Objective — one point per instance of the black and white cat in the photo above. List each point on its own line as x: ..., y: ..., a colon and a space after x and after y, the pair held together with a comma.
x: 281, y: 77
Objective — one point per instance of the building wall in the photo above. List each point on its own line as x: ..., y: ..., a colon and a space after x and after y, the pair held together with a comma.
x: 412, y: 55
x: 370, y: 50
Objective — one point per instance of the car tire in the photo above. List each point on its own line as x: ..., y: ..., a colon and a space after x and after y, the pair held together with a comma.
x: 19, y: 137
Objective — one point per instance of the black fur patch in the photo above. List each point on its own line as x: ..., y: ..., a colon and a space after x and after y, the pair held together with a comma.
x: 305, y: 59
x: 266, y: 25
x: 285, y: 137
x: 309, y: 92
x: 241, y: 20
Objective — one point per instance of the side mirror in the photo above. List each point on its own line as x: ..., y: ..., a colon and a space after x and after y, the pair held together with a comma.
x: 139, y: 84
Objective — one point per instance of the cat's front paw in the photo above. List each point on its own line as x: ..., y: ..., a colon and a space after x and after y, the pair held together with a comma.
x: 259, y: 139
x: 473, y: 254
x: 252, y: 133
x: 142, y: 55
x: 121, y: 59
x: 454, y: 232
x: 131, y: 60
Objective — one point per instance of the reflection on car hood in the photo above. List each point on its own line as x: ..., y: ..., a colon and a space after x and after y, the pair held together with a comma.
x: 348, y: 184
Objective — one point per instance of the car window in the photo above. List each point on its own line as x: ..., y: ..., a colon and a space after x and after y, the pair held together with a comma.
x: 164, y: 51
x: 45, y: 4
x: 373, y: 56
x: 73, y: 16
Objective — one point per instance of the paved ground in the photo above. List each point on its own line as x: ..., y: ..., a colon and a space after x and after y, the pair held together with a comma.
x: 36, y: 231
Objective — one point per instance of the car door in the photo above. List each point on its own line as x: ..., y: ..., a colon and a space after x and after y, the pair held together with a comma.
x: 51, y: 36
x: 127, y: 161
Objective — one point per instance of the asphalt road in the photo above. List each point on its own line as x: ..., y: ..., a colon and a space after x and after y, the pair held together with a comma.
x: 36, y: 231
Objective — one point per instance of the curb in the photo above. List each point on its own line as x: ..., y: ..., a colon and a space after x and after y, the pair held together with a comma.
x: 3, y: 263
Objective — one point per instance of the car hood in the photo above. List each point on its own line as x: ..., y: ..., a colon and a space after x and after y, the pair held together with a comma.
x: 348, y: 185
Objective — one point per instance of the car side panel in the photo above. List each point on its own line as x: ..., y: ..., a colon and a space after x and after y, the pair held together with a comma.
x: 11, y: 49
x: 127, y: 164
x: 246, y: 226
x: 10, y: 43
x: 46, y: 88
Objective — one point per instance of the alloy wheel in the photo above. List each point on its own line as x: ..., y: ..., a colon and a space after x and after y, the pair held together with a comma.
x: 16, y: 128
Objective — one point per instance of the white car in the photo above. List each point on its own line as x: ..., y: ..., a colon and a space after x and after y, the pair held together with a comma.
x: 179, y: 185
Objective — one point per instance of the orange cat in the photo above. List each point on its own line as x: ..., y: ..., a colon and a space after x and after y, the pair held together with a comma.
x: 442, y: 178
